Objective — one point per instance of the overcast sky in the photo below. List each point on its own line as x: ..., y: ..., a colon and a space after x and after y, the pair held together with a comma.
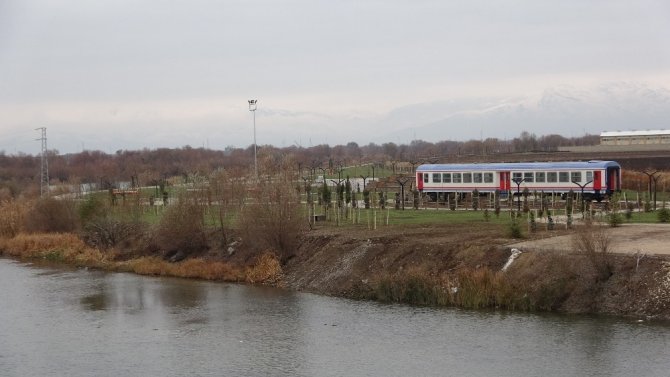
x: 123, y: 74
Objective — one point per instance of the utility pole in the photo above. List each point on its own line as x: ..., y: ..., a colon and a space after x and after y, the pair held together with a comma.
x: 252, y: 108
x: 44, y: 167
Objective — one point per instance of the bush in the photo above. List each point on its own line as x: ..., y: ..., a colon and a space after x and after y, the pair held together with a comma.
x: 663, y: 215
x: 94, y: 206
x: 629, y: 211
x: 475, y: 199
x: 52, y: 215
x: 182, y: 229
x: 12, y: 217
x: 266, y: 270
x: 593, y: 242
x: 514, y: 229
x: 273, y: 221
x: 412, y: 287
x: 614, y: 219
x: 105, y: 231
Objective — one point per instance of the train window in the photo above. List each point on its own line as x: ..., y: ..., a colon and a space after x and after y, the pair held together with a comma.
x: 467, y: 177
x: 437, y: 177
x: 564, y: 176
x: 589, y: 176
x: 477, y: 177
x: 488, y: 177
x: 517, y: 175
x: 425, y: 178
x: 529, y: 176
x: 575, y: 176
x: 457, y: 177
x: 552, y: 176
x: 540, y: 176
x: 446, y: 177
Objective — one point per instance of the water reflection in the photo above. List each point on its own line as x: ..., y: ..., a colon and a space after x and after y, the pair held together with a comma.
x: 81, y: 323
x: 132, y: 294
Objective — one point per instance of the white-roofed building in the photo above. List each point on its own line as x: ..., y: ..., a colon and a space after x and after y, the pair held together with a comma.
x: 635, y: 137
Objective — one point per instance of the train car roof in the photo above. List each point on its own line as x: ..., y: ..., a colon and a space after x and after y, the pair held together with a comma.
x: 594, y: 164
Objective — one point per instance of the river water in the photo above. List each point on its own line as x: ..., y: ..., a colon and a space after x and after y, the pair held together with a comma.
x: 56, y: 321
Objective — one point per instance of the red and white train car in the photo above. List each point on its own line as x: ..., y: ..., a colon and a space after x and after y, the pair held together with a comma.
x: 596, y: 178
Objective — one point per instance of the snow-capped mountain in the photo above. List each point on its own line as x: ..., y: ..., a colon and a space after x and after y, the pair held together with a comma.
x: 565, y: 110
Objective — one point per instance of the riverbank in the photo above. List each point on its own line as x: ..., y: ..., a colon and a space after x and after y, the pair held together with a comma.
x: 456, y: 265
x: 461, y: 265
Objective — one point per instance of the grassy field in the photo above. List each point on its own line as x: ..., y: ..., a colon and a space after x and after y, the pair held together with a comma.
x: 409, y: 216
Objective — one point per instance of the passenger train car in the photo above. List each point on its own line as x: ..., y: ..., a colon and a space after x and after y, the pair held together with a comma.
x: 597, y: 178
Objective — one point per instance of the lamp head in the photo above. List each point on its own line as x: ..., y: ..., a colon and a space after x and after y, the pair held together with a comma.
x: 252, y: 104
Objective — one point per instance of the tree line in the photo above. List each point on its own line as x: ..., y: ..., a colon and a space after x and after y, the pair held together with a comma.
x: 19, y: 174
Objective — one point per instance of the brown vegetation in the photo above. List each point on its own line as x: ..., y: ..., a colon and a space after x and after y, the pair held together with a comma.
x: 181, y: 228
x: 51, y: 215
x: 149, y: 167
x: 273, y: 218
x: 593, y: 242
x: 12, y: 217
x: 461, y: 266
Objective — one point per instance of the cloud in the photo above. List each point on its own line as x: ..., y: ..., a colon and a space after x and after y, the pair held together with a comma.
x: 122, y: 73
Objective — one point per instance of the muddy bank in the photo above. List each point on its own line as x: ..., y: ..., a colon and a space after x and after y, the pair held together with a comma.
x: 437, y: 264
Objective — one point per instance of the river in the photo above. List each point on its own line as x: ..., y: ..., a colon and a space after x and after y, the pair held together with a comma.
x: 57, y: 321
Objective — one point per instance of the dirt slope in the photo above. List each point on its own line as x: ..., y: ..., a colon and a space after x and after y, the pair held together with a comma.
x: 347, y: 262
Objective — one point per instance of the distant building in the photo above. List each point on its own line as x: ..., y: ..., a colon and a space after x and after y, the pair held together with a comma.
x: 647, y: 137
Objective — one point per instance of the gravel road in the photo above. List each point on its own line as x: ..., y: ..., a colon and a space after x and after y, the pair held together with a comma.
x: 628, y: 238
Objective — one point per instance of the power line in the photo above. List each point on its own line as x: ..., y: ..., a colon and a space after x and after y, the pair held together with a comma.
x: 44, y: 166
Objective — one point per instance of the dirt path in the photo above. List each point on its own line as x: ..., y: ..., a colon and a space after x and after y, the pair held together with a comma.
x: 628, y: 238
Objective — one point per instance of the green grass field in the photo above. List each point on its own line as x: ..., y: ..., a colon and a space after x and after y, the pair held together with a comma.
x: 409, y: 216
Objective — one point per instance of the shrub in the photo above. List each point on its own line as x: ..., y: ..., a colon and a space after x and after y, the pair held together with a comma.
x: 92, y: 207
x: 273, y: 221
x: 593, y: 242
x: 266, y: 269
x: 182, y: 227
x: 411, y: 287
x: 533, y: 223
x: 629, y: 211
x: 514, y: 229
x: 12, y: 215
x: 106, y: 231
x: 614, y: 219
x: 52, y: 215
x: 647, y: 203
x: 663, y: 215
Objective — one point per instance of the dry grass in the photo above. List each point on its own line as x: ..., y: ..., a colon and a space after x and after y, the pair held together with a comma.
x: 58, y: 247
x: 266, y: 270
x: 197, y: 268
x: 534, y: 282
x: 594, y: 242
x: 68, y: 248
x: 12, y: 217
x: 273, y: 219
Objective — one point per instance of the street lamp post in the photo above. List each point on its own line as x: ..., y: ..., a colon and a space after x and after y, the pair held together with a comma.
x: 582, y: 189
x: 252, y: 108
x: 518, y: 192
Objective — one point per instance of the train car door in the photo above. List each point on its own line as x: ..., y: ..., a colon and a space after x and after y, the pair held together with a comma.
x: 419, y: 181
x: 504, y: 181
x: 597, y: 182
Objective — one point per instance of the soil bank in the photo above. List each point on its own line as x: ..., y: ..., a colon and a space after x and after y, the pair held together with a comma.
x: 349, y: 262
